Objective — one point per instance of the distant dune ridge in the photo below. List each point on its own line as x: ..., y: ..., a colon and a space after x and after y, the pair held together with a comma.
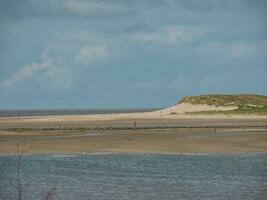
x: 220, y: 104
x: 226, y: 99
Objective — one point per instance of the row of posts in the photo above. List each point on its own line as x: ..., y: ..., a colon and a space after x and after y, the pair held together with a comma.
x: 186, y: 129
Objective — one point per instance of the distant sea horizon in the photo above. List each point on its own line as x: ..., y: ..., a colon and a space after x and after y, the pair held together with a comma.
x: 85, y: 111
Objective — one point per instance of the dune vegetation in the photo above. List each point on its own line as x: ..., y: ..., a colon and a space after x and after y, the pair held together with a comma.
x: 248, y: 104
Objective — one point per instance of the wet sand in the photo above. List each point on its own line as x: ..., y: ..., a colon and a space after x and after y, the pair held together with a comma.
x: 183, y: 135
x: 141, y: 141
x: 127, y: 120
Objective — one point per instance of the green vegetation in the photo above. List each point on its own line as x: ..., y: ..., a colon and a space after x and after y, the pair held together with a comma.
x: 246, y: 103
x: 226, y: 100
x: 238, y: 111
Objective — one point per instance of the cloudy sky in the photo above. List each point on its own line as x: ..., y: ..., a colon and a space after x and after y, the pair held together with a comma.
x: 129, y: 53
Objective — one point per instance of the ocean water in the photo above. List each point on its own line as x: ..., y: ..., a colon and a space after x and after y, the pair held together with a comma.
x: 45, y: 112
x: 137, y: 176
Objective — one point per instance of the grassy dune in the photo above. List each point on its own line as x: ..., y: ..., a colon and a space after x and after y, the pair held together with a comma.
x: 248, y: 104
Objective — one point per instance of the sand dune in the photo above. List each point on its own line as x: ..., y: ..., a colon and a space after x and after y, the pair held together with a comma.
x: 183, y: 108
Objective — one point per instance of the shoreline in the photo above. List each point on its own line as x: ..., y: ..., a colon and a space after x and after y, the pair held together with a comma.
x: 126, y: 119
x: 91, y: 134
x: 73, y: 154
x: 138, y: 115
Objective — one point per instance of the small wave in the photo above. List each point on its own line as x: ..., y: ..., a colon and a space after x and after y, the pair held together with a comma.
x: 63, y: 155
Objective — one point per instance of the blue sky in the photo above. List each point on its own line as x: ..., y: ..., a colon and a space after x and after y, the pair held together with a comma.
x: 129, y: 53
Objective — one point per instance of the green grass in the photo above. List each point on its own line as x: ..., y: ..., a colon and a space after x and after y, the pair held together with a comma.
x: 238, y: 111
x: 248, y: 104
x: 226, y: 100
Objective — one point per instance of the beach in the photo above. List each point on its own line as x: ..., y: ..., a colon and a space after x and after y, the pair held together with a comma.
x: 130, y: 133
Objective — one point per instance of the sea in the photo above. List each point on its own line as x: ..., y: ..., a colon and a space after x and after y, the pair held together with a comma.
x: 135, y: 176
x: 45, y: 112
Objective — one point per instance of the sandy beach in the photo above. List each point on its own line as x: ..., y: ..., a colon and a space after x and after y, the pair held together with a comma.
x: 123, y: 133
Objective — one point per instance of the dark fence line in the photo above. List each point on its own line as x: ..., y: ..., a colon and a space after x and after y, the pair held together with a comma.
x: 135, y: 127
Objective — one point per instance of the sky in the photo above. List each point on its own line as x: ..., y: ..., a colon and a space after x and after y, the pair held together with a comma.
x: 58, y: 54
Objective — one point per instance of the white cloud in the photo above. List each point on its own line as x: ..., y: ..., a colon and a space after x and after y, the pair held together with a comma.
x: 84, y: 8
x: 56, y: 65
x: 26, y: 72
x: 88, y: 53
x: 168, y: 35
x: 47, y: 70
